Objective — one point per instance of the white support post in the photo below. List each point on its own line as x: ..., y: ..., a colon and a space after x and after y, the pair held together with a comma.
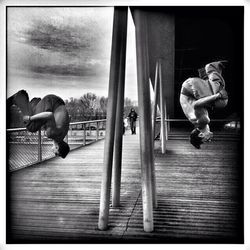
x: 154, y: 114
x: 162, y: 104
x: 156, y: 94
x: 145, y: 117
x: 119, y: 27
x: 119, y: 124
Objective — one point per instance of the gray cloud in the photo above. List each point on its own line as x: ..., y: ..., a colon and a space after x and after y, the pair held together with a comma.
x: 66, y: 70
x: 56, y: 38
x: 60, y: 50
x: 66, y: 48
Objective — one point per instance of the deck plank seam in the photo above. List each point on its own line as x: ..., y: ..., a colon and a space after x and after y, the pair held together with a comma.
x: 127, y: 224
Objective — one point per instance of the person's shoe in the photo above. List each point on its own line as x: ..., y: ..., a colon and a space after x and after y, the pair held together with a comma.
x: 217, y: 66
x: 20, y: 97
x: 223, y: 94
x: 223, y: 63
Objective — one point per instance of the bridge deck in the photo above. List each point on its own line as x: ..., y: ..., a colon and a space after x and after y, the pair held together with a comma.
x: 198, y: 195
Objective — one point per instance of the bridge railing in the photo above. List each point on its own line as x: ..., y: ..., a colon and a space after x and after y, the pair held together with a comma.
x: 219, y: 127
x: 25, y: 148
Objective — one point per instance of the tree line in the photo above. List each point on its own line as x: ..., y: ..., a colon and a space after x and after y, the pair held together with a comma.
x: 88, y: 107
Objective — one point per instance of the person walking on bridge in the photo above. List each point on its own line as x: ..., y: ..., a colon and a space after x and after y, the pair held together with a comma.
x: 48, y: 113
x: 200, y: 93
x: 132, y: 118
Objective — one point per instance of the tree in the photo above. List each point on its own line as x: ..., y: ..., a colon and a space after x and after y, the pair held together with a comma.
x: 103, y: 105
x: 87, y: 107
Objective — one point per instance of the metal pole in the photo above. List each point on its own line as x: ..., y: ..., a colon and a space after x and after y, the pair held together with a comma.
x: 166, y: 125
x: 39, y: 146
x: 119, y: 124
x: 155, y: 100
x: 145, y: 117
x: 163, y: 128
x: 119, y: 25
x: 154, y: 193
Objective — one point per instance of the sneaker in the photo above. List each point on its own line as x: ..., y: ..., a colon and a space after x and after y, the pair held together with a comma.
x: 20, y: 97
x: 223, y: 94
x: 215, y: 66
x: 223, y: 63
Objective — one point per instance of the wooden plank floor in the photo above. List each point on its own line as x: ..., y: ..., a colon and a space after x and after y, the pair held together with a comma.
x: 199, y: 196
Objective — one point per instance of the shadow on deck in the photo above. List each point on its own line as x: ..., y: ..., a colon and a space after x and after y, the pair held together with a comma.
x: 199, y: 197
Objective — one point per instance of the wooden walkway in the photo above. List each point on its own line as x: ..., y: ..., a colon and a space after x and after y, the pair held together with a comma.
x: 199, y: 195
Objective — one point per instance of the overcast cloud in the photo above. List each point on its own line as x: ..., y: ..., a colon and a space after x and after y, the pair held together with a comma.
x: 65, y: 51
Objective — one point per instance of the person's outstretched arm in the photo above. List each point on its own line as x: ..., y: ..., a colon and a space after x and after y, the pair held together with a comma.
x: 43, y: 116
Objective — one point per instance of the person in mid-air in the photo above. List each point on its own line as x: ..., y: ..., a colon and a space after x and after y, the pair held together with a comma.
x: 48, y: 113
x: 200, y: 93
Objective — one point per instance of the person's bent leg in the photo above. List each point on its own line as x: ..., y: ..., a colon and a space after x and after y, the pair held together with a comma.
x: 21, y: 99
x: 214, y: 71
x: 205, y: 101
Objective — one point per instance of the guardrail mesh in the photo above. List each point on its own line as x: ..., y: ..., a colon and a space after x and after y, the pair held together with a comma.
x: 23, y: 147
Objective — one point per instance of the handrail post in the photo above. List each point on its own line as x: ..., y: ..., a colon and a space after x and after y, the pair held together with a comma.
x: 67, y: 137
x: 39, y: 146
x: 84, y: 134
x: 97, y: 131
x: 166, y: 121
x: 168, y: 124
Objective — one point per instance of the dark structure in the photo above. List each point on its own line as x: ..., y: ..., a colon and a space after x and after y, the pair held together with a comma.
x: 186, y: 38
x: 172, y: 43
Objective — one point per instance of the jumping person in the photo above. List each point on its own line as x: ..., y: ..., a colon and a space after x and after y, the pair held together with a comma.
x: 198, y: 94
x: 132, y: 118
x: 48, y: 113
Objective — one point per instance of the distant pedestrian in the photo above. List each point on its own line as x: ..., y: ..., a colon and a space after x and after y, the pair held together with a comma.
x: 48, y: 113
x: 132, y: 118
x: 125, y: 125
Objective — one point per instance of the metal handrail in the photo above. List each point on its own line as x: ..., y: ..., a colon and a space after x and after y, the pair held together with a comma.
x: 16, y: 129
x: 86, y: 122
x: 78, y: 141
x: 235, y: 122
x: 212, y: 120
x: 72, y: 123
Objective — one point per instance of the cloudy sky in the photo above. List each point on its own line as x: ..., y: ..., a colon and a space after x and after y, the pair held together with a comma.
x: 65, y: 51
